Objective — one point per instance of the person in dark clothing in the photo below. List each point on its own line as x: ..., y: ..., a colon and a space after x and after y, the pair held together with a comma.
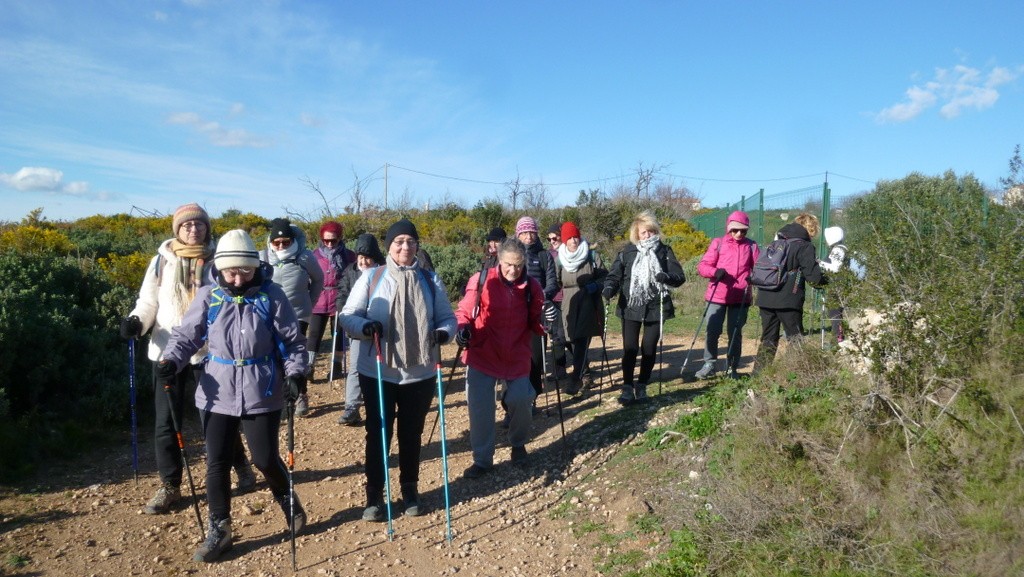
x: 555, y: 327
x: 368, y: 255
x: 494, y: 240
x: 640, y: 277
x: 580, y: 273
x: 784, y: 307
x: 540, y: 266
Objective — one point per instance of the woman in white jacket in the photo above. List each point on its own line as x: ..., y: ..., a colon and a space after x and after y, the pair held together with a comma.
x: 181, y: 265
x: 406, y: 310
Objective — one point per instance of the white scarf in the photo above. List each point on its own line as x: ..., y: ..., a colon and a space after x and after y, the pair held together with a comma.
x: 642, y: 286
x: 572, y: 261
x: 285, y: 254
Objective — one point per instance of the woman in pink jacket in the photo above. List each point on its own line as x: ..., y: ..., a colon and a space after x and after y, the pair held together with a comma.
x: 497, y: 320
x: 727, y: 264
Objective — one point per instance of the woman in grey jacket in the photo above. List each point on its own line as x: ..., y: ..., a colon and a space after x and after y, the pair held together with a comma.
x: 406, y: 310
x: 256, y: 352
x: 299, y: 274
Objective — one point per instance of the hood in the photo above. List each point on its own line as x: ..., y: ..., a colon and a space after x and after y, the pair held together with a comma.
x: 834, y: 235
x: 738, y: 216
x: 366, y: 245
x: 793, y: 231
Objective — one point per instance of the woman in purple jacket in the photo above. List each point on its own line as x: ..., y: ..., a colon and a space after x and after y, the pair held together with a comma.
x: 727, y: 264
x: 257, y: 359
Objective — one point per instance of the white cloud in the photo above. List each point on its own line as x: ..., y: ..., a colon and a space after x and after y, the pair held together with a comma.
x: 219, y: 135
x: 311, y: 120
x: 40, y: 179
x: 957, y: 89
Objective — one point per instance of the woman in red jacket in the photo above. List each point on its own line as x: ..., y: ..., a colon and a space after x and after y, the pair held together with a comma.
x: 726, y: 265
x: 497, y: 320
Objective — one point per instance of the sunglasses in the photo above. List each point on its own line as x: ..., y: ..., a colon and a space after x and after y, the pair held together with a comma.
x: 330, y: 240
x: 552, y: 239
x: 281, y: 243
x: 739, y: 230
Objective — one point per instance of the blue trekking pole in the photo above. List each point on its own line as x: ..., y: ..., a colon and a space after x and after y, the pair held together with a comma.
x: 131, y: 400
x: 444, y: 448
x: 383, y: 434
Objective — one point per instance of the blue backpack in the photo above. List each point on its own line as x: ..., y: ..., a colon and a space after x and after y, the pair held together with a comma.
x: 261, y: 304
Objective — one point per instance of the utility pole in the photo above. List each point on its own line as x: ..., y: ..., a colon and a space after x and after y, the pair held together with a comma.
x: 385, y: 186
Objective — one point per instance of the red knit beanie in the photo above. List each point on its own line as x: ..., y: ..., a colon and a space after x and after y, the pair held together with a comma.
x: 569, y: 230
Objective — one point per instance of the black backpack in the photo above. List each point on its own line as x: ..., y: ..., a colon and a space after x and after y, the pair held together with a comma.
x: 769, y: 272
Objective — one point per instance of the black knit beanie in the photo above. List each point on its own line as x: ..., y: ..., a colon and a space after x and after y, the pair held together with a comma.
x: 404, y: 226
x: 281, y: 228
x: 497, y: 234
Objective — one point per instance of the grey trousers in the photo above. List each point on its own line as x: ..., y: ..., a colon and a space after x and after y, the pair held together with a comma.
x: 519, y: 396
x: 734, y: 317
x: 353, y: 393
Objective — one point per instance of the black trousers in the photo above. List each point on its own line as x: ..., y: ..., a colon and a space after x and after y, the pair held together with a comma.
x: 262, y: 433
x: 631, y: 345
x: 407, y: 405
x: 790, y: 320
x: 165, y: 444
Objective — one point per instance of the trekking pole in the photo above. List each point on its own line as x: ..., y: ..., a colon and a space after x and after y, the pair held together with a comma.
x: 440, y: 400
x: 291, y: 478
x: 334, y: 342
x: 558, y: 394
x: 444, y: 447
x: 661, y: 332
x: 131, y: 401
x: 604, y: 354
x: 383, y: 434
x: 184, y: 456
x: 686, y: 359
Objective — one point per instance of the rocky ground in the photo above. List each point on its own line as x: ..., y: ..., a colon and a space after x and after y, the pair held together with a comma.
x: 86, y: 519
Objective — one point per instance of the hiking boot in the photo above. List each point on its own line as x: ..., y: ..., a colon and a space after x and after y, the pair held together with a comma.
x: 475, y: 472
x: 411, y: 498
x: 734, y: 375
x: 707, y: 371
x: 574, y: 387
x: 519, y: 455
x: 374, y: 512
x: 246, y: 479
x: 302, y: 406
x: 640, y: 391
x: 350, y: 417
x: 588, y: 382
x: 626, y: 397
x: 218, y: 541
x: 161, y: 502
x: 298, y: 521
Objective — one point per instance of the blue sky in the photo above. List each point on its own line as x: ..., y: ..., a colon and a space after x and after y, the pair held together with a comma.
x: 108, y: 105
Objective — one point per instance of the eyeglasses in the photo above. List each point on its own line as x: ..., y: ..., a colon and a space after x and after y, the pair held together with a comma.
x: 739, y: 230
x: 239, y: 271
x: 281, y: 242
x: 409, y: 242
x: 194, y: 225
x: 330, y: 240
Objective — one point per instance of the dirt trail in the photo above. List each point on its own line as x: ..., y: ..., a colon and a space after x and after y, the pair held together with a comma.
x: 86, y: 518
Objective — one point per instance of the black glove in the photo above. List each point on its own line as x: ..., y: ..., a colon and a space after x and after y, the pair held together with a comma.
x: 166, y: 374
x: 592, y: 287
x: 293, y: 385
x: 662, y: 276
x: 131, y: 328
x: 462, y: 337
x: 373, y: 328
x: 442, y: 336
x: 550, y: 312
x: 607, y: 293
x: 719, y: 274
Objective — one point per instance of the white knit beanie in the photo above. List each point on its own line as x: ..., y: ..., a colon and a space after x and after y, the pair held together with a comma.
x: 236, y: 249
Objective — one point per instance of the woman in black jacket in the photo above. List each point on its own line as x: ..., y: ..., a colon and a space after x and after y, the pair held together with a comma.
x: 640, y: 276
x: 784, y: 307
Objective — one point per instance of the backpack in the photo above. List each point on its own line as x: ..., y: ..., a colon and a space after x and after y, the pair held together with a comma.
x: 769, y: 271
x: 261, y: 304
